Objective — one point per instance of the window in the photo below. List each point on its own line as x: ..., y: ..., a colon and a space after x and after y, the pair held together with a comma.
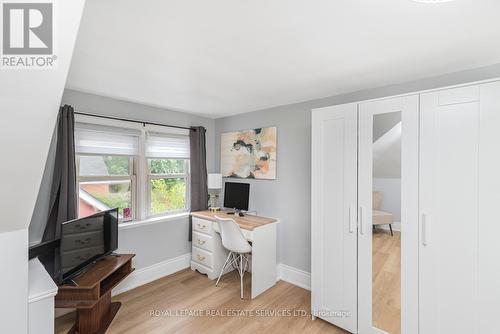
x: 106, y: 182
x: 168, y: 170
x: 106, y: 174
x: 167, y: 179
x: 142, y: 173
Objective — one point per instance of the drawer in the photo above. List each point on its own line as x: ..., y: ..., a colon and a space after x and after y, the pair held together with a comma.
x: 203, y: 241
x: 75, y: 257
x: 203, y: 226
x: 203, y: 257
x: 90, y: 224
x: 82, y: 240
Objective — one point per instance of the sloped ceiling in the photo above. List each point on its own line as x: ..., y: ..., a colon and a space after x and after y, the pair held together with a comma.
x: 29, y: 101
x: 223, y: 57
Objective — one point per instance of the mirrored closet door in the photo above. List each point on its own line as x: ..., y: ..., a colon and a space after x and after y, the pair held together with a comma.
x: 388, y: 215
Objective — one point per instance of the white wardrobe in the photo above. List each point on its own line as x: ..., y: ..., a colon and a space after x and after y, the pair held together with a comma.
x: 448, y: 244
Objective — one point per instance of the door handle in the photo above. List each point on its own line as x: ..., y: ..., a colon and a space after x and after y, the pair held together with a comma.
x: 351, y: 220
x: 361, y: 222
x: 424, y: 229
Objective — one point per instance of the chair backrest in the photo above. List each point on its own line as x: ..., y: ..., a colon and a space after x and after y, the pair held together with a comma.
x: 376, y: 200
x: 232, y: 237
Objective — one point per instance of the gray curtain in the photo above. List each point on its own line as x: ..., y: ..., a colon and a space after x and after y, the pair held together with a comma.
x: 63, y: 193
x: 199, y: 188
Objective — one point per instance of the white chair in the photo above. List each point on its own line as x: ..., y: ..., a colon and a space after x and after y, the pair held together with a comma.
x: 238, y: 247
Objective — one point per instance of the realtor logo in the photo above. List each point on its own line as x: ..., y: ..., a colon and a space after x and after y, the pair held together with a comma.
x: 27, y: 35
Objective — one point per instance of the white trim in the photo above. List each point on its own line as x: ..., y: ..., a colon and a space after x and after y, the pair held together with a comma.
x: 86, y: 197
x: 156, y: 271
x: 151, y: 221
x: 41, y: 296
x: 294, y: 276
x: 40, y: 284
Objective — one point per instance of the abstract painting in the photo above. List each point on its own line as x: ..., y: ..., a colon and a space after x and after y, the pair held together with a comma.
x: 249, y: 154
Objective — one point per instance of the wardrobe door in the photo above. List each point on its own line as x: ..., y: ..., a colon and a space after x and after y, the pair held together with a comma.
x: 333, y: 219
x: 449, y: 134
x: 388, y: 216
x: 489, y: 201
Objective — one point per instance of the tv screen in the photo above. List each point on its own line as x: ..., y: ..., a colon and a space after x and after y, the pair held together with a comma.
x: 85, y: 240
x: 236, y: 195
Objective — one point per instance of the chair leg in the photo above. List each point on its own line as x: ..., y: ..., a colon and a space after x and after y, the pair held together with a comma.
x: 390, y: 227
x: 223, y: 267
x: 242, y: 272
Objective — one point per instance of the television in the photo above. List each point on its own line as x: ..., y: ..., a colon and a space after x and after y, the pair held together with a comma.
x: 86, y: 240
x: 236, y: 195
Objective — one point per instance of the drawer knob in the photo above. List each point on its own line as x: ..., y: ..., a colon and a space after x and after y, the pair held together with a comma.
x: 202, y: 226
x: 201, y: 258
x: 201, y: 242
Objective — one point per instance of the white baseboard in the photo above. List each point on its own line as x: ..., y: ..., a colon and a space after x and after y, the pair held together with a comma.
x: 146, y: 275
x: 294, y: 276
x: 149, y: 274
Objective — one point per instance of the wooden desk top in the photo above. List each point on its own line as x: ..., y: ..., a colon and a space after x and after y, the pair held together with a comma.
x: 248, y: 222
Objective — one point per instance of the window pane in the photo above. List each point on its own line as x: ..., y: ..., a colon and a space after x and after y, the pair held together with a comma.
x: 167, y: 195
x: 166, y: 166
x: 99, y: 196
x: 96, y: 165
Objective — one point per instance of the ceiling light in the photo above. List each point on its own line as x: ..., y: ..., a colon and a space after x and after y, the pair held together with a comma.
x: 432, y: 1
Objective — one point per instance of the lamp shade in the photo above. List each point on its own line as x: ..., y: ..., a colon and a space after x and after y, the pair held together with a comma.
x: 214, y: 181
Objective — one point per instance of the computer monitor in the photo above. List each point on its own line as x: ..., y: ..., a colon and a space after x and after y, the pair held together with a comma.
x: 236, y: 195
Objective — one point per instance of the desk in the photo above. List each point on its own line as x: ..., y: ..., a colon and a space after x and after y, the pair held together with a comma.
x: 208, y: 254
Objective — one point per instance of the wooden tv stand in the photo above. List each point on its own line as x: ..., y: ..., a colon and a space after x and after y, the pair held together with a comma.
x: 91, y: 294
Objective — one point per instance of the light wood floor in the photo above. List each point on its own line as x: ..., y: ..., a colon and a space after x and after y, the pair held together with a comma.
x: 386, y: 281
x: 188, y: 290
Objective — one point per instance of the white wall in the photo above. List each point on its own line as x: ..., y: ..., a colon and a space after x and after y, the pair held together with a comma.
x: 390, y: 189
x: 29, y: 102
x: 14, y: 281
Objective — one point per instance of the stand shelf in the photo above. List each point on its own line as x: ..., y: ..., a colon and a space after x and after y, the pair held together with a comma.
x: 91, y: 295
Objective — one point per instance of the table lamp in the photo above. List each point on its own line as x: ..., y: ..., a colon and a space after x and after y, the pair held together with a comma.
x: 214, y: 184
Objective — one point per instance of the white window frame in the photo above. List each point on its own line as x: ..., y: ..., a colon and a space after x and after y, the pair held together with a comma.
x: 132, y: 177
x: 149, y: 177
x: 140, y: 191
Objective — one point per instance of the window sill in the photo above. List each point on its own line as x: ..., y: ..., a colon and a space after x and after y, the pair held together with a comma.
x: 151, y: 221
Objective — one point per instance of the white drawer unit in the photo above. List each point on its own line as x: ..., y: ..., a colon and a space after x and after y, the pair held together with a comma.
x: 202, y: 241
x: 208, y: 255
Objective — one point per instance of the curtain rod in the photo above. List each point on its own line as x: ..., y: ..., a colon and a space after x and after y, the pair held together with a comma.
x: 134, y: 121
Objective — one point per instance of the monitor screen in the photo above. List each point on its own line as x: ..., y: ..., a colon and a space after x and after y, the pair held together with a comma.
x: 236, y: 195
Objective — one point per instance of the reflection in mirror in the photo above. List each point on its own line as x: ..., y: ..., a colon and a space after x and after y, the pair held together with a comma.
x: 386, y: 237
